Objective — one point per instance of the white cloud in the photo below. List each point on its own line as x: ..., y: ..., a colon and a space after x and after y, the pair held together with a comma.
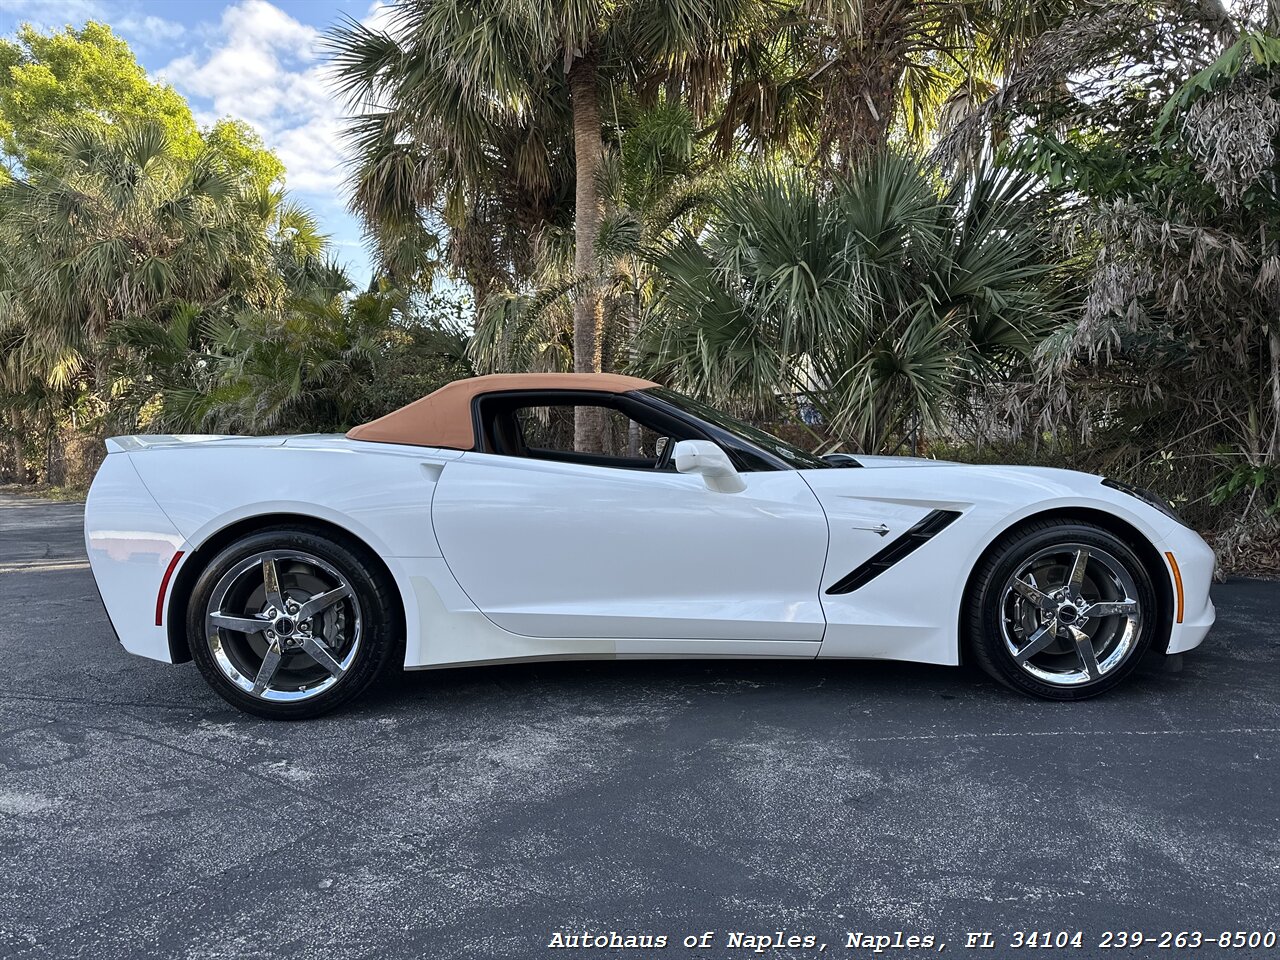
x: 263, y: 66
x: 379, y: 16
x: 143, y: 32
x: 45, y: 16
x: 150, y: 32
x: 72, y: 9
x: 260, y: 65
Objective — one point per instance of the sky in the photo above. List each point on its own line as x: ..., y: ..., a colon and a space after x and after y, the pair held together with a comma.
x: 256, y: 60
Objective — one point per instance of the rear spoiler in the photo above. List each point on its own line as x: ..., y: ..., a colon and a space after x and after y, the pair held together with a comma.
x: 127, y: 444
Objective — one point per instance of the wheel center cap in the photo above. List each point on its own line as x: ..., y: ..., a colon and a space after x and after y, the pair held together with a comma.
x: 283, y: 626
x: 1067, y: 613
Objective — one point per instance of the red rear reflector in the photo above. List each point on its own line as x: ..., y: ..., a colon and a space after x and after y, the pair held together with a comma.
x: 164, y: 588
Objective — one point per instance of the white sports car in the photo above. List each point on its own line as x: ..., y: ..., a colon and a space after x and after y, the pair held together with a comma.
x: 464, y: 529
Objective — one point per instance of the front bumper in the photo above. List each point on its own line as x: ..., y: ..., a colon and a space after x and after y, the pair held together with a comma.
x: 1189, y: 559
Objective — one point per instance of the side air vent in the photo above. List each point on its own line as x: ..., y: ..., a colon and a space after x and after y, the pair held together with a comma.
x: 933, y: 523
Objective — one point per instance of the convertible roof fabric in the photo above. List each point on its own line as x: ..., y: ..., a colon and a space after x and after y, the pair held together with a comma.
x: 443, y: 418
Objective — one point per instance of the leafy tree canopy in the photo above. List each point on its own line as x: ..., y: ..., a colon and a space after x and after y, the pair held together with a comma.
x: 246, y: 156
x: 51, y: 80
x: 78, y: 77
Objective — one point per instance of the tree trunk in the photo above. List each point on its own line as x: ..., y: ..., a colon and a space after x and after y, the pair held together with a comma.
x: 1273, y: 344
x: 588, y: 317
x: 11, y: 468
x: 862, y: 94
x: 867, y: 129
x: 21, y: 424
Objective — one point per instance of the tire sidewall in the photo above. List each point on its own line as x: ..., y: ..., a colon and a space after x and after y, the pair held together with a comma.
x: 378, y: 637
x: 995, y: 656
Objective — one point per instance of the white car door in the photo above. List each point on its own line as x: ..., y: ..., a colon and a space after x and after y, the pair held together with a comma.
x: 651, y: 558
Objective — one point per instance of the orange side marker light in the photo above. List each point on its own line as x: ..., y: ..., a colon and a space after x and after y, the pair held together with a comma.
x: 1177, y: 582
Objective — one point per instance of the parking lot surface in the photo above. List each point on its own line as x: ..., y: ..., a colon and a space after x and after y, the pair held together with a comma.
x: 478, y: 813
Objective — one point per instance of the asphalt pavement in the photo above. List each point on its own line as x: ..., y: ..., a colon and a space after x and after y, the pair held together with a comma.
x: 484, y: 813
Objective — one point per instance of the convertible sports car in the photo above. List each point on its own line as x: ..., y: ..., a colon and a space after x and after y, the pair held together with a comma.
x: 464, y: 529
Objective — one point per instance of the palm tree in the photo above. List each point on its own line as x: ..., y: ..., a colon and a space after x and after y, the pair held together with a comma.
x: 657, y: 176
x: 120, y: 224
x: 885, y: 302
x: 475, y: 121
x: 324, y: 362
x: 835, y: 80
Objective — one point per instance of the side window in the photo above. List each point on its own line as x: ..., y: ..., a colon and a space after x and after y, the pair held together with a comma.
x: 541, y: 426
x: 549, y: 429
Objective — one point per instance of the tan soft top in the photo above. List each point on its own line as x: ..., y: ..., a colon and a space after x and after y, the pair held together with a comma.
x: 443, y: 418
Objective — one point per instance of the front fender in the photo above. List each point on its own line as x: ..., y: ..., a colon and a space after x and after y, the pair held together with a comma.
x: 911, y: 610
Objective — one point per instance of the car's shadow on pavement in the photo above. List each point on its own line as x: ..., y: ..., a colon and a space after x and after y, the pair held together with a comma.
x: 884, y: 683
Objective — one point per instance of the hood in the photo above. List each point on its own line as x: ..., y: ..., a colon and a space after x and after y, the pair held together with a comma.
x: 869, y: 460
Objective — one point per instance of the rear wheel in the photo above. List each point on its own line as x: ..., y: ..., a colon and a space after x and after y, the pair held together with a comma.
x: 1062, y: 610
x: 290, y: 623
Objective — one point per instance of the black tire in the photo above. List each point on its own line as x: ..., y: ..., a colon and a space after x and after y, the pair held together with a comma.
x: 989, y: 629
x: 371, y: 609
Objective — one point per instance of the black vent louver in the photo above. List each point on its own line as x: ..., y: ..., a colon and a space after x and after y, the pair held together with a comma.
x: 930, y: 526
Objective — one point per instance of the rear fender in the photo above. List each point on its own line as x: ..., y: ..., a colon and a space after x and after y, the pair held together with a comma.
x: 134, y: 551
x: 381, y: 498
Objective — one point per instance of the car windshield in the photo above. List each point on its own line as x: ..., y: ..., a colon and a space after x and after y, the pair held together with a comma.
x: 789, y: 453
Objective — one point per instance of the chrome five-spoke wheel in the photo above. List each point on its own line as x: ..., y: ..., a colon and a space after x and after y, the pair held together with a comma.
x: 292, y: 622
x: 283, y: 625
x: 1070, y: 614
x: 1061, y: 608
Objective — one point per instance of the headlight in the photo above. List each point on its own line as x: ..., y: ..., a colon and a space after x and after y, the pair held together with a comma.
x: 1146, y: 496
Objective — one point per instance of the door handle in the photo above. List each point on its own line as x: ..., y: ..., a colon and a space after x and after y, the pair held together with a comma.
x: 881, y: 529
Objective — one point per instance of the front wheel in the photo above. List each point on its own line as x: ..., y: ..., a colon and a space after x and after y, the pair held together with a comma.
x: 1062, y: 610
x: 291, y: 623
